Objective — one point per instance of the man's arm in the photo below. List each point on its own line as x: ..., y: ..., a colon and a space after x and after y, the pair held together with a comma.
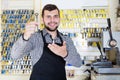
x: 23, y: 45
x: 73, y: 57
x: 20, y: 48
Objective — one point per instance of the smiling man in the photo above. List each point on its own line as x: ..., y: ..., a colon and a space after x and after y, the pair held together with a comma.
x: 49, y: 49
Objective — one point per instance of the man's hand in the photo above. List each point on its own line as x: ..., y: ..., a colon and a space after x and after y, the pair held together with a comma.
x: 30, y: 29
x: 58, y: 50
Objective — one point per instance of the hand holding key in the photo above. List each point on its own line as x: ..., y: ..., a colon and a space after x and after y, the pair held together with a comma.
x: 30, y: 29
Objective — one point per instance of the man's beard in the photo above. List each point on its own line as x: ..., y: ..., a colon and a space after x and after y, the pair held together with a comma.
x: 49, y: 29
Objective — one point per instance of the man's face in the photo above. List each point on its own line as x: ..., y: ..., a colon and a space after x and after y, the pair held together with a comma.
x: 51, y: 19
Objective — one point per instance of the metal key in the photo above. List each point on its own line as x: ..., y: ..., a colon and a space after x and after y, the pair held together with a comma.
x: 36, y: 19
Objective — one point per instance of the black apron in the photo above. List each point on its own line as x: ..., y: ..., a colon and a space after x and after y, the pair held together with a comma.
x: 50, y: 66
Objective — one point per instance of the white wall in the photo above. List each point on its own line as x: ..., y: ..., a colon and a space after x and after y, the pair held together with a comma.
x: 113, y: 4
x: 75, y: 4
x: 17, y: 4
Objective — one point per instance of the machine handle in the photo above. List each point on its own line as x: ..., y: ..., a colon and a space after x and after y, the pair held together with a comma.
x: 112, y: 42
x: 109, y: 28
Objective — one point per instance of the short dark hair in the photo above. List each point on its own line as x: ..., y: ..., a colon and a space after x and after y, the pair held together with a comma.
x: 50, y: 7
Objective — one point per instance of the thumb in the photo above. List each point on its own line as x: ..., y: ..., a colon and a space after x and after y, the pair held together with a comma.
x: 64, y: 43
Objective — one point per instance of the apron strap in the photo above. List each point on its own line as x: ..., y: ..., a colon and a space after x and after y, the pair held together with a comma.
x: 60, y: 37
x: 44, y: 40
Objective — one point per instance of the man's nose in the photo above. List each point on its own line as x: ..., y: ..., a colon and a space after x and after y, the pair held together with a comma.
x: 52, y: 19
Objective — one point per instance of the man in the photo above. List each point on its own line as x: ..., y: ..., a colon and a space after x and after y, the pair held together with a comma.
x: 49, y: 49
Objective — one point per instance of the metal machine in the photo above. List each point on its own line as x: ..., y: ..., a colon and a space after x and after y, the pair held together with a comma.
x: 110, y: 41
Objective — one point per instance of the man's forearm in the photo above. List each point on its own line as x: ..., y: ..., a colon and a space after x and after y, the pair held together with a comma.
x: 18, y: 48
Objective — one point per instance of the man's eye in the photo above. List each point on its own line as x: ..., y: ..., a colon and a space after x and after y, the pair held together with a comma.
x: 56, y: 16
x: 48, y: 16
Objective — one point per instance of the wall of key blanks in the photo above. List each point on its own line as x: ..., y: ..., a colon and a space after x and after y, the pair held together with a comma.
x: 13, y: 24
x: 89, y: 22
x: 84, y: 18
